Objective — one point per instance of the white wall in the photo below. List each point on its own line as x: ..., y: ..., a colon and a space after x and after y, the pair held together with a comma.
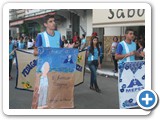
x: 89, y: 23
x: 63, y: 26
x: 83, y: 23
x: 112, y: 31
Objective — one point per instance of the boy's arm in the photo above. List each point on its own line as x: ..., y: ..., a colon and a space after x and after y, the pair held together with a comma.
x: 35, y: 51
x: 118, y: 55
x: 37, y: 44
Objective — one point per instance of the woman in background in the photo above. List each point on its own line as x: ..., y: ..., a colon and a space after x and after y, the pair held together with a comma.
x: 94, y: 62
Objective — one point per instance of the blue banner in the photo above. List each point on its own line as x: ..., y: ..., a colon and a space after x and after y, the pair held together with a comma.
x: 60, y: 60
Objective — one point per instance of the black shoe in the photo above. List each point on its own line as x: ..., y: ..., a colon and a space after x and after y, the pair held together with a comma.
x: 98, y: 90
x: 92, y: 88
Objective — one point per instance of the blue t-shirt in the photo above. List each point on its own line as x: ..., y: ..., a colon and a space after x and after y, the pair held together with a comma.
x: 11, y: 47
x: 83, y: 41
x: 121, y: 50
x: 91, y: 57
x: 101, y: 51
x: 20, y: 45
x: 54, y: 41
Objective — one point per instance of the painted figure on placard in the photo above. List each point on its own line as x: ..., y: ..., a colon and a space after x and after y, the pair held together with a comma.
x: 68, y: 59
x: 43, y: 86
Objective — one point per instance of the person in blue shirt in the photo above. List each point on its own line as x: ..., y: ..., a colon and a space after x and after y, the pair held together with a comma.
x: 83, y: 42
x: 101, y: 52
x: 11, y: 48
x: 50, y: 37
x: 126, y: 49
x: 21, y: 44
x: 93, y: 54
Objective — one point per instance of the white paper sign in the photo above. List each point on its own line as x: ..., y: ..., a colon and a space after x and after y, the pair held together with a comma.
x: 130, y: 81
x: 30, y: 44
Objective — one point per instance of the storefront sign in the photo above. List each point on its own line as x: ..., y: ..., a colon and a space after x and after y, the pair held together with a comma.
x: 130, y: 13
x: 104, y: 17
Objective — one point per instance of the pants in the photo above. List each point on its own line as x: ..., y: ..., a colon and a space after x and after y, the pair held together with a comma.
x: 101, y: 58
x: 93, y: 69
x: 115, y: 63
x: 10, y: 66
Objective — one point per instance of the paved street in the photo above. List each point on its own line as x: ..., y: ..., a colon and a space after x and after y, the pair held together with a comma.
x: 84, y: 98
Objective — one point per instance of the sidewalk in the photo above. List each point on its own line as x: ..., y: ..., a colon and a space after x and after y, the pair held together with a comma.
x: 106, y: 69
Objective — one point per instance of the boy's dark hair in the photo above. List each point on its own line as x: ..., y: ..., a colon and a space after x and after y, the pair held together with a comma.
x: 92, y: 47
x: 47, y: 17
x: 128, y: 30
x: 83, y: 35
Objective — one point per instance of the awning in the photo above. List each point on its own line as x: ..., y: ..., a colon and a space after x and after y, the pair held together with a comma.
x: 18, y: 22
x: 39, y: 16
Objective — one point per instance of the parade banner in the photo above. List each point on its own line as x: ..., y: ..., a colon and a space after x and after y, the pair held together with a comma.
x: 80, y: 67
x: 55, y: 77
x: 130, y: 81
x: 26, y: 64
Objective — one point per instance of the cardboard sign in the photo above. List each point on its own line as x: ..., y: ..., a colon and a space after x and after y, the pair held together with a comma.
x: 54, y: 86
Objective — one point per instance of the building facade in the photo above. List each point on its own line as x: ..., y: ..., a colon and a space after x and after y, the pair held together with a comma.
x: 106, y: 22
x: 68, y: 21
x: 113, y: 22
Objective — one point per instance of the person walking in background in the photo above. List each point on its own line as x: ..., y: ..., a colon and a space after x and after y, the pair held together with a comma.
x: 66, y: 43
x: 136, y: 41
x: 141, y: 45
x: 21, y: 44
x: 101, y: 52
x: 83, y: 42
x: 11, y: 51
x: 71, y: 45
x: 77, y: 43
x: 143, y: 54
x: 63, y: 41
x: 93, y: 54
x: 75, y: 37
x: 113, y: 51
